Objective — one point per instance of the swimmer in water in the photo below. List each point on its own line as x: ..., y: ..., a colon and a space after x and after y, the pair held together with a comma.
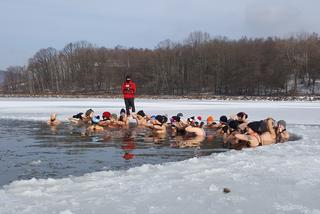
x: 158, y: 124
x: 140, y: 117
x: 53, y: 120
x: 252, y: 137
x: 255, y: 136
x: 95, y: 127
x: 195, y: 126
x: 87, y: 119
x: 123, y: 120
x: 281, y: 132
x: 242, y: 118
x: 210, y: 123
x: 178, y: 125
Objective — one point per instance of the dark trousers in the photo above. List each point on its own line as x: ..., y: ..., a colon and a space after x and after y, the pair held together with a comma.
x: 129, y: 103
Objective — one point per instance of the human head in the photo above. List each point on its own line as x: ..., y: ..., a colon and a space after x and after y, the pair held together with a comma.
x: 114, y: 116
x: 95, y: 120
x: 197, y: 123
x: 254, y: 126
x: 53, y: 117
x: 79, y: 116
x: 165, y: 118
x: 282, y: 123
x: 180, y: 115
x: 106, y: 115
x: 191, y: 120
x: 175, y: 119
x: 223, y: 119
x: 122, y: 112
x: 89, y: 113
x: 141, y: 113
x: 242, y: 116
x: 160, y: 119
x: 128, y: 78
x: 210, y: 119
x: 233, y: 124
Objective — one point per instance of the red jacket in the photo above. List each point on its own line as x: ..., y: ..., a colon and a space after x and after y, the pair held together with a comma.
x: 128, y: 89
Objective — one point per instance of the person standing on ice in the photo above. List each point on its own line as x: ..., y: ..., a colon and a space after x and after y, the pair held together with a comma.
x: 129, y: 90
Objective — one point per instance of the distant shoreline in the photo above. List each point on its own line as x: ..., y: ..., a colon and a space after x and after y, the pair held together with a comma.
x: 198, y: 97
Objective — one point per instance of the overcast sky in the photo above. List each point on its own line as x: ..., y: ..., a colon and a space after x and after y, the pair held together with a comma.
x: 29, y: 25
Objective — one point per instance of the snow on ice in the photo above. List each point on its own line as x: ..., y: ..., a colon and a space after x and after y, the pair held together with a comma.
x: 281, y: 178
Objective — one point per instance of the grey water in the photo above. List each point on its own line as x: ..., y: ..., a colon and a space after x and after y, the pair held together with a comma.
x: 32, y: 149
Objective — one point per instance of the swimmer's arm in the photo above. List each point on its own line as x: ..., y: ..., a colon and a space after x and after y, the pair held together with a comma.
x: 217, y: 125
x: 225, y: 138
x: 242, y: 126
x: 190, y: 129
x: 183, y: 124
x: 104, y: 123
x: 134, y: 115
x: 120, y: 123
x: 126, y: 121
x: 157, y: 127
x: 242, y: 137
x: 285, y: 135
x: 149, y: 126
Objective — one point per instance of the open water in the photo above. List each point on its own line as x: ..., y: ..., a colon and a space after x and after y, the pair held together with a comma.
x: 34, y: 149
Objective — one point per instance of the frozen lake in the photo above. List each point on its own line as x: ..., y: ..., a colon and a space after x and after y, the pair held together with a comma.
x: 282, y: 178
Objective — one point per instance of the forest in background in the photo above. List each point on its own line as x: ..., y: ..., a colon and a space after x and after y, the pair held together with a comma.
x: 198, y: 65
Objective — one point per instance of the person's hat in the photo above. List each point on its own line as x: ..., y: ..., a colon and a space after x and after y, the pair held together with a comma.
x: 141, y: 113
x: 223, y: 119
x: 128, y: 77
x: 175, y: 119
x: 165, y: 118
x: 210, y: 119
x: 255, y: 126
x: 95, y: 120
x: 78, y: 116
x: 283, y: 123
x: 180, y: 115
x: 159, y: 118
x: 114, y: 116
x: 106, y: 114
x: 122, y: 111
x: 241, y: 114
x: 233, y: 124
x: 191, y: 119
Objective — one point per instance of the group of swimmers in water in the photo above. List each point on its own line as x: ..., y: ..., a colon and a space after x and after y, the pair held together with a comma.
x: 235, y: 130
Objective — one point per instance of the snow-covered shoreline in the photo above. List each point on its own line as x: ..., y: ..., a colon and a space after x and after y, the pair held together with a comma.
x: 183, y: 97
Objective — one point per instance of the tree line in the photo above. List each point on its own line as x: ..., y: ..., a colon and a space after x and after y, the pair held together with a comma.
x: 199, y: 64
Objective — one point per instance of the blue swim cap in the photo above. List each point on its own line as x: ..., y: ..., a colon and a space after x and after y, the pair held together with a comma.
x: 95, y: 120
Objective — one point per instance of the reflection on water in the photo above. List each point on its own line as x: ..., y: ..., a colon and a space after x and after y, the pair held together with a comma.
x: 34, y: 149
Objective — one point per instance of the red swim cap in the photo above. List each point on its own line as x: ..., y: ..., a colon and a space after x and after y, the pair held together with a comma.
x: 106, y: 114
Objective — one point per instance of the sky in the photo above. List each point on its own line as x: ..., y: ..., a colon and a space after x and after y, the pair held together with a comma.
x: 26, y: 26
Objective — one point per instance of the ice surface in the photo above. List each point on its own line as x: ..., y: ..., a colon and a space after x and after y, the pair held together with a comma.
x: 41, y: 108
x: 282, y: 178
